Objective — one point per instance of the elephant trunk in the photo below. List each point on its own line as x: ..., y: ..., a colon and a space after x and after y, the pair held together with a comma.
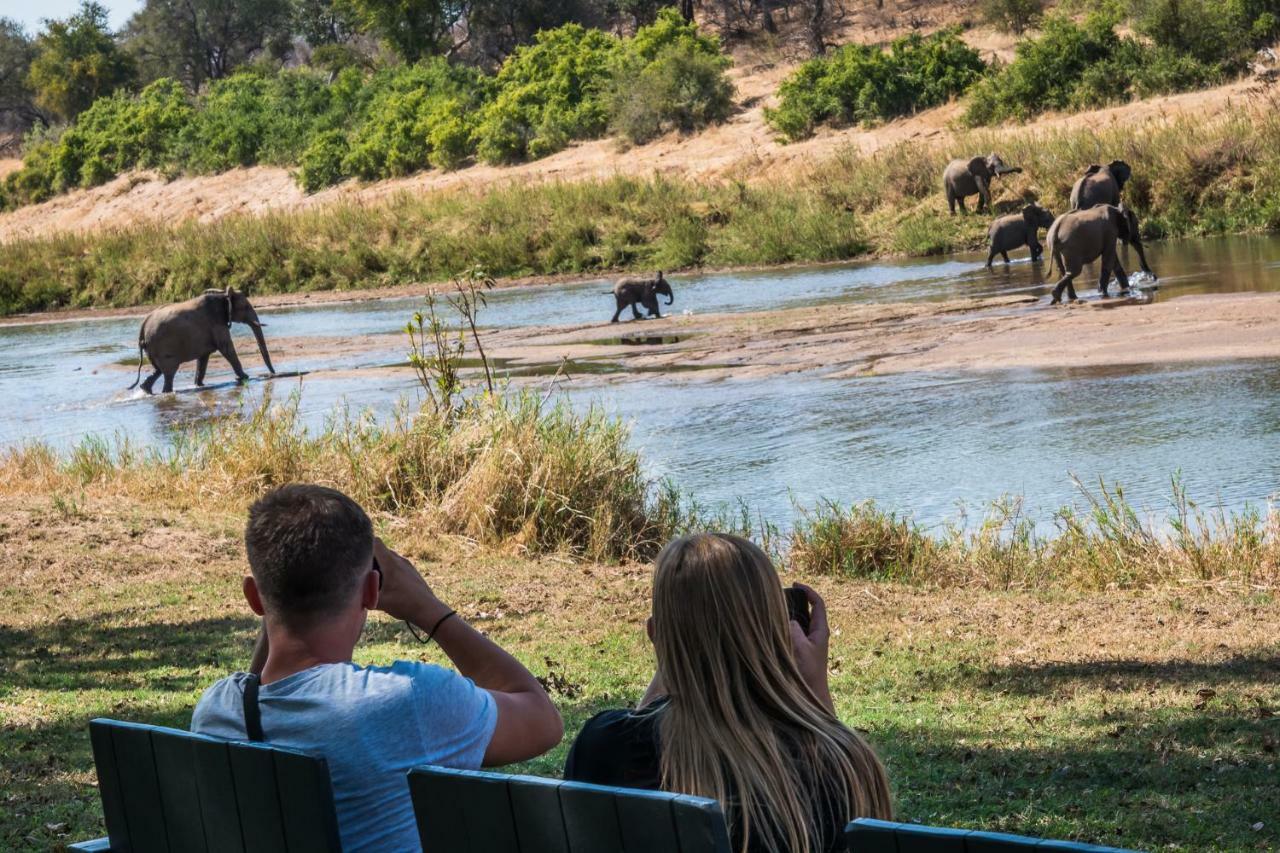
x: 671, y: 297
x: 1142, y: 257
x: 262, y: 344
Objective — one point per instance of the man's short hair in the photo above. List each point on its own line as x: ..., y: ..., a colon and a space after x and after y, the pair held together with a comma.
x: 309, y: 548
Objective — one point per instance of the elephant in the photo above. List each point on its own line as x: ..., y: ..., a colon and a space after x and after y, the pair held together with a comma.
x: 630, y: 291
x: 196, y: 329
x: 1018, y: 229
x: 964, y: 178
x: 1082, y: 236
x: 1100, y: 185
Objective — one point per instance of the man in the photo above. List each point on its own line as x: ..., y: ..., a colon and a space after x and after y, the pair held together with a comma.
x: 314, y: 579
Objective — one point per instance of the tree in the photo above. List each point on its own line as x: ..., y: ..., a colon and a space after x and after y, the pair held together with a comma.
x: 17, y: 101
x: 77, y: 61
x: 321, y: 22
x: 414, y: 29
x: 199, y: 40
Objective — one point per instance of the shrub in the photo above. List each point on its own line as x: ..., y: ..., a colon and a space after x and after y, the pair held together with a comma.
x: 863, y: 84
x: 1012, y: 16
x: 322, y: 162
x: 1082, y: 65
x: 548, y: 93
x: 415, y: 117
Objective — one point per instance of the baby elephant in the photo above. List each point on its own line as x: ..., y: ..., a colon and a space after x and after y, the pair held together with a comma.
x: 643, y: 291
x: 1016, y: 230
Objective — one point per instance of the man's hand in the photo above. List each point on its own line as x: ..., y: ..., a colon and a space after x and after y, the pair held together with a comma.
x: 405, y: 594
x: 811, y: 649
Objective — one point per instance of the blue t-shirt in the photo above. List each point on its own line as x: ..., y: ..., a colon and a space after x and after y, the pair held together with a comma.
x: 372, y: 724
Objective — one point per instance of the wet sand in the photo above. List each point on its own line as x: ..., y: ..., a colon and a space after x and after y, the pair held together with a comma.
x: 860, y: 340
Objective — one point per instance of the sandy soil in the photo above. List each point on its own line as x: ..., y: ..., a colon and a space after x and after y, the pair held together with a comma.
x: 848, y: 340
x: 853, y: 340
x: 744, y: 147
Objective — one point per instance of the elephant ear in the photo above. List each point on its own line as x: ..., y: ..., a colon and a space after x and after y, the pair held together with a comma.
x: 1092, y: 170
x: 1120, y: 171
x: 978, y: 167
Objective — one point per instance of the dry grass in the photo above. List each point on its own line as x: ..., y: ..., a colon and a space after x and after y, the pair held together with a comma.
x: 1143, y: 719
x: 514, y: 473
x: 1107, y: 546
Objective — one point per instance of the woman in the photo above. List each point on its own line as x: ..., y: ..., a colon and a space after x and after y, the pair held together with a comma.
x: 739, y: 709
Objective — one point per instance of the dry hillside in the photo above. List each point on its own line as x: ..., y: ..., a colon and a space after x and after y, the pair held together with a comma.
x: 742, y: 148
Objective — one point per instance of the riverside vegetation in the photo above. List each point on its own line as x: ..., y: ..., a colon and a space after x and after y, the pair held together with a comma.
x: 1193, y: 178
x: 120, y: 585
x: 1114, y: 682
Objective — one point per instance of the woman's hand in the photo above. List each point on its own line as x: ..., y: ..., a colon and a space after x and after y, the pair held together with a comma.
x: 811, y: 649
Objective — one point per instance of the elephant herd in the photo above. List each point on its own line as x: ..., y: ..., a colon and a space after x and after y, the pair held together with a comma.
x: 1097, y: 222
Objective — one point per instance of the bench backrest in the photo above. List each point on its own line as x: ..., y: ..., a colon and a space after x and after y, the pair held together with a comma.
x: 166, y: 790
x: 881, y: 836
x: 469, y: 811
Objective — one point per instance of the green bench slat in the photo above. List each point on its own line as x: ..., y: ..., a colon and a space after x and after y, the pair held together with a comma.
x: 647, y: 821
x: 96, y: 845
x: 1076, y: 847
x: 140, y: 788
x: 254, y: 771
x: 700, y: 825
x: 535, y: 805
x: 872, y: 836
x: 590, y: 818
x: 104, y: 758
x: 306, y: 802
x: 486, y: 809
x: 179, y: 794
x: 218, y: 807
x: 438, y: 808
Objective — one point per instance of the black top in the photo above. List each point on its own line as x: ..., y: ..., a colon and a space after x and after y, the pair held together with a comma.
x: 621, y: 748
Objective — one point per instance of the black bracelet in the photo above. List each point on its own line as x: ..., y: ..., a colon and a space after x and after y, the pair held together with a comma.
x: 440, y: 622
x: 431, y: 634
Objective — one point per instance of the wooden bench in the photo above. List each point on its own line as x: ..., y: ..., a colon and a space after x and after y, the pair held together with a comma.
x: 170, y: 791
x: 468, y: 811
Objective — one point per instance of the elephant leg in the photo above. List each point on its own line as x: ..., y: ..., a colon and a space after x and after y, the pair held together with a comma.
x: 1004, y: 255
x: 202, y: 364
x: 951, y: 201
x: 991, y: 256
x: 1037, y: 251
x: 635, y: 312
x: 228, y: 352
x: 1122, y: 277
x: 1104, y: 280
x: 1067, y: 283
x: 150, y: 381
x: 168, y: 379
x: 960, y: 204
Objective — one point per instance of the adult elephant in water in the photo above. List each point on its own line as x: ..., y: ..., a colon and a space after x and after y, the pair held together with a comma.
x: 1083, y: 236
x: 193, y: 331
x: 1100, y: 185
x: 963, y: 178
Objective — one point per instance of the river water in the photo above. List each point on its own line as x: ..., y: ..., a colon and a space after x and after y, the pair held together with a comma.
x: 919, y: 443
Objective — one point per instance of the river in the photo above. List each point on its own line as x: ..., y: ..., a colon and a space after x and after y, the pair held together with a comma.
x: 922, y: 443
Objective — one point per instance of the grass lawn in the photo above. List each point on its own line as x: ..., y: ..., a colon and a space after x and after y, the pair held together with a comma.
x: 1146, y: 719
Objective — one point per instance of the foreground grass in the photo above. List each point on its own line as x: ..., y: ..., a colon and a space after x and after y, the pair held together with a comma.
x: 1191, y: 178
x: 1143, y: 719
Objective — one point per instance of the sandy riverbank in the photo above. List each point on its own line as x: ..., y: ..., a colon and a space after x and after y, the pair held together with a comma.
x: 855, y: 340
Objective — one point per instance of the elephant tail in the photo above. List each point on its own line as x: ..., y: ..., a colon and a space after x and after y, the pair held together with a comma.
x: 137, y: 378
x: 1050, y: 243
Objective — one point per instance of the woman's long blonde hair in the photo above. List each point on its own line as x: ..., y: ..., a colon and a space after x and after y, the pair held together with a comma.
x: 742, y: 726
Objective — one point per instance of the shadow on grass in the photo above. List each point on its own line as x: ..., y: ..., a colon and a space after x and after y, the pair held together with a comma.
x: 1256, y: 667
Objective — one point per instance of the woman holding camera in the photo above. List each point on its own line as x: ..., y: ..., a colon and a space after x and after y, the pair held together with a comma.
x: 739, y: 709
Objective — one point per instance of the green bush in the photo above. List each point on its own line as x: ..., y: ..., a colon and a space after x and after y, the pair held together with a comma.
x: 1012, y: 16
x: 548, y: 93
x: 669, y: 77
x: 1081, y: 66
x: 415, y: 117
x: 349, y: 123
x: 862, y: 84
